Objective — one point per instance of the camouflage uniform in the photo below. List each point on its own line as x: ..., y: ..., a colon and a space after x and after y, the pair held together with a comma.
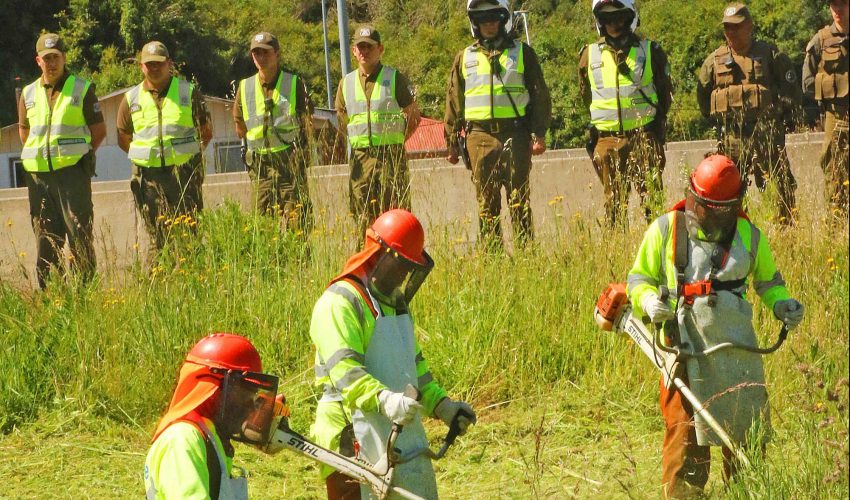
x: 825, y: 78
x: 751, y: 98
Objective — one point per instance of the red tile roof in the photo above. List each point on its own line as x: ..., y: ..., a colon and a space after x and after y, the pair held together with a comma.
x: 427, y: 141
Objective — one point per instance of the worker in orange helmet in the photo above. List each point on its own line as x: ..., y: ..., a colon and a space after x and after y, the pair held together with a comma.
x: 221, y: 396
x: 703, y: 251
x: 366, y: 354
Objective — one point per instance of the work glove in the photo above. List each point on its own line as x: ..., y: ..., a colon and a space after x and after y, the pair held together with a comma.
x: 790, y: 312
x: 398, y: 407
x: 448, y: 409
x: 657, y: 310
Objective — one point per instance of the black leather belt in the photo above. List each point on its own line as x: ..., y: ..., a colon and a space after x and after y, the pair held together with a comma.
x: 617, y: 133
x: 496, y: 126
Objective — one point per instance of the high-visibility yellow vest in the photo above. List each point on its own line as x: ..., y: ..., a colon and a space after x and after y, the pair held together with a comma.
x: 621, y: 102
x: 163, y: 135
x: 486, y: 95
x: 58, y: 136
x: 274, y: 129
x: 379, y: 121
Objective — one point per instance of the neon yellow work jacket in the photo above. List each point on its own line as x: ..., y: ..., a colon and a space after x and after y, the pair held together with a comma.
x: 617, y: 103
x: 163, y: 135
x: 749, y: 255
x: 486, y: 94
x: 176, y: 464
x: 378, y: 121
x: 275, y: 129
x: 341, y: 328
x: 59, y: 136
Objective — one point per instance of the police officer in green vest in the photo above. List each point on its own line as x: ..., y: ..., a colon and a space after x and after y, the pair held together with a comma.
x: 272, y: 115
x: 749, y: 90
x: 825, y: 78
x: 377, y: 112
x: 498, y: 97
x: 60, y: 126
x: 163, y: 125
x: 624, y: 79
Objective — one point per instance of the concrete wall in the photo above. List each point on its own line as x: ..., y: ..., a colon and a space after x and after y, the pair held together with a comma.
x: 563, y: 183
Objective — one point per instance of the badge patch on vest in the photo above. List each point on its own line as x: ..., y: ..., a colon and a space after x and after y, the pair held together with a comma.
x: 29, y: 104
x: 70, y: 140
x: 135, y: 108
x: 790, y: 76
x: 596, y: 65
x: 471, y: 64
x: 96, y: 107
x: 182, y: 140
x: 184, y: 100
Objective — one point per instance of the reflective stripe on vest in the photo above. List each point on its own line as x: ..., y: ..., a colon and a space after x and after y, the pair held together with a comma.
x: 163, y: 135
x: 616, y: 99
x: 486, y: 96
x: 282, y: 129
x: 58, y: 136
x: 378, y: 121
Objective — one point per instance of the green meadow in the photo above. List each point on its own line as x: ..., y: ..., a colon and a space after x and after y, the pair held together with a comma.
x: 565, y: 409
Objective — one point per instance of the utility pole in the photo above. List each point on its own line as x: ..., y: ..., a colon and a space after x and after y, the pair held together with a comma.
x: 342, y: 22
x: 327, y: 52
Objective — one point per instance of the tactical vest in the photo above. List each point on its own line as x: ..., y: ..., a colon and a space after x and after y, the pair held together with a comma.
x: 378, y: 121
x: 163, y: 135
x: 275, y: 129
x: 488, y: 94
x: 742, y: 84
x: 58, y: 136
x: 831, y: 78
x: 621, y: 102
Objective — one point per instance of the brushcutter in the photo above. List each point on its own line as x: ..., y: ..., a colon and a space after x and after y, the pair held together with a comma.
x: 613, y: 312
x: 379, y: 476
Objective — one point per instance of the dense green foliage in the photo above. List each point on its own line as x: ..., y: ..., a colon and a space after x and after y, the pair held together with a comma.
x: 208, y: 40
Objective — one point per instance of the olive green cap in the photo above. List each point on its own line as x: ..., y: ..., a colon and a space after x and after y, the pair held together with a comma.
x: 154, y: 52
x: 736, y: 13
x: 366, y: 34
x: 264, y: 40
x: 49, y: 43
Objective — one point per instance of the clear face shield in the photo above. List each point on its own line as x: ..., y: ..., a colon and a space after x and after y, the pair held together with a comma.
x: 711, y: 220
x: 246, y: 406
x: 394, y: 275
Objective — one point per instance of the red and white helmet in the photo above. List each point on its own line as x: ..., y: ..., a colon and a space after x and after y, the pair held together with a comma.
x: 602, y: 6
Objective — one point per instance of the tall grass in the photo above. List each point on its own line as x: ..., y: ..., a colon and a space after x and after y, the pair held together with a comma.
x: 504, y: 331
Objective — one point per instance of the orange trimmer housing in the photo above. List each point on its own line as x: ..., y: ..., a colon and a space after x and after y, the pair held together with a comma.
x: 609, y: 305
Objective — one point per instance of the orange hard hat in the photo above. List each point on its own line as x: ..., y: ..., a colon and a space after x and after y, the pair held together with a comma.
x: 228, y: 351
x: 716, y: 178
x: 198, y: 384
x: 401, y: 231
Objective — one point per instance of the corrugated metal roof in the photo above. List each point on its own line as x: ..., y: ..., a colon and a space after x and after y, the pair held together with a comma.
x: 427, y: 140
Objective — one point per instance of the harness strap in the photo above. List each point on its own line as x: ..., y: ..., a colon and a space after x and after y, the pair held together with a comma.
x: 213, y: 466
x: 361, y: 290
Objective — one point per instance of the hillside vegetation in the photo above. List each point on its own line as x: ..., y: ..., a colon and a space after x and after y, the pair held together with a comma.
x: 209, y: 41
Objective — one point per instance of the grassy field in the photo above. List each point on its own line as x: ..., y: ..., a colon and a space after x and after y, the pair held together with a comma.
x: 565, y: 410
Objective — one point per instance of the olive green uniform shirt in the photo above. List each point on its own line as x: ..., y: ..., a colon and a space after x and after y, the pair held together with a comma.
x: 813, y: 55
x: 660, y: 72
x: 538, y: 112
x: 781, y: 78
x: 403, y: 94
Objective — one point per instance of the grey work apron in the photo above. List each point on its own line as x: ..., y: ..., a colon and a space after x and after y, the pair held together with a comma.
x: 730, y: 382
x: 391, y: 358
